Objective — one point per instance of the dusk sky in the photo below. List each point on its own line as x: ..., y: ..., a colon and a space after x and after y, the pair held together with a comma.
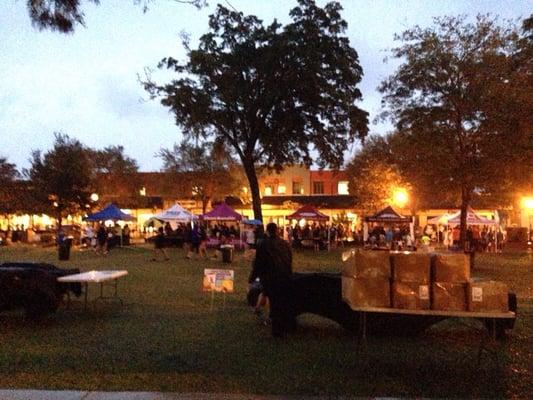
x: 85, y: 84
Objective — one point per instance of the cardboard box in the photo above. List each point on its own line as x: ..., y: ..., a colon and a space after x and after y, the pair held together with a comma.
x: 363, y: 292
x: 410, y: 295
x: 451, y: 268
x: 411, y: 267
x: 448, y: 296
x: 488, y: 296
x: 369, y: 264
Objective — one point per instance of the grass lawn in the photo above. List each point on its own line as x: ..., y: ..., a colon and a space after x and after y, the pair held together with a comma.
x: 165, y: 338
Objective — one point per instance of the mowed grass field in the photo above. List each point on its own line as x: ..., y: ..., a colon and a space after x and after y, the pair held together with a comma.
x: 166, y: 338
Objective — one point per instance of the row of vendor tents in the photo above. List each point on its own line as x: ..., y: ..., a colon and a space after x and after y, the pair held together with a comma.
x: 178, y: 214
x: 223, y: 212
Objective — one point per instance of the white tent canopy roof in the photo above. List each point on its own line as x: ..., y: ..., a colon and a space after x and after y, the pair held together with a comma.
x: 176, y: 213
x: 472, y: 218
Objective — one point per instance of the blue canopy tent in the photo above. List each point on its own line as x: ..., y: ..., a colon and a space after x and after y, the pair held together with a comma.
x: 110, y: 212
x: 254, y: 222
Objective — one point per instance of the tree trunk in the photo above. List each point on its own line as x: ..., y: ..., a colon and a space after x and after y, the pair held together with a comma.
x: 58, y: 220
x: 205, y: 200
x: 249, y: 169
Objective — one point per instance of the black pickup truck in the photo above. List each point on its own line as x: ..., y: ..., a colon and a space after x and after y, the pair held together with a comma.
x: 34, y: 287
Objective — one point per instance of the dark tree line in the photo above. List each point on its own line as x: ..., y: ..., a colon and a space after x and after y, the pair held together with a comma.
x: 60, y: 181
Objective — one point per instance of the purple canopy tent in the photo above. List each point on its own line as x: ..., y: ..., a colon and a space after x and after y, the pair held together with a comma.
x: 222, y: 212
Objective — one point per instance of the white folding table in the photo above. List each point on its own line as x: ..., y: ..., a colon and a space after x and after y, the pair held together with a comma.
x: 100, y: 277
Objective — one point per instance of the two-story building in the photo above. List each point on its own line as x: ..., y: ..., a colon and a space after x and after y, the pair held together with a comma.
x: 282, y: 193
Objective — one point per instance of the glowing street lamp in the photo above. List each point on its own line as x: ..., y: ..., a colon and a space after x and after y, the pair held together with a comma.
x: 94, y: 197
x: 527, y: 203
x: 400, y: 197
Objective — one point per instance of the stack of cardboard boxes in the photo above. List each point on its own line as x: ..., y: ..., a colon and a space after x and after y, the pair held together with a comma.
x: 451, y: 273
x: 411, y: 278
x: 366, y: 281
x: 419, y: 281
x: 487, y: 296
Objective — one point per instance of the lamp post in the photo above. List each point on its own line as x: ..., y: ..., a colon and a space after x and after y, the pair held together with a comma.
x: 527, y: 212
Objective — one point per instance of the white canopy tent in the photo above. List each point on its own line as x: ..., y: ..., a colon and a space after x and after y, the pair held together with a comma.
x: 175, y: 215
x: 472, y: 218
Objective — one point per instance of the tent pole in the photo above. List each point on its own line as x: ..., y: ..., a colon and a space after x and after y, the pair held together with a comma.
x: 329, y: 237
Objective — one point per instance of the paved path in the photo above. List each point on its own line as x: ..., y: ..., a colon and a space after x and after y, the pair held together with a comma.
x: 84, y: 395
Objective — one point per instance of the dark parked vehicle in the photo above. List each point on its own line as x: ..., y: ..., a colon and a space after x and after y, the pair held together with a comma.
x: 34, y: 287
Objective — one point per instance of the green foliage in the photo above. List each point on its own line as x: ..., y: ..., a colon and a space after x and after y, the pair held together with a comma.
x: 61, y: 178
x: 243, y: 86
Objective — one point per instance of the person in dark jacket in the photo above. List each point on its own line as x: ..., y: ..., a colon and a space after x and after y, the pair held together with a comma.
x: 101, y: 240
x: 159, y: 245
x: 273, y: 267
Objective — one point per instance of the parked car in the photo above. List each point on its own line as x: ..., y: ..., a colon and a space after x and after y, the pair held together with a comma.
x: 34, y: 287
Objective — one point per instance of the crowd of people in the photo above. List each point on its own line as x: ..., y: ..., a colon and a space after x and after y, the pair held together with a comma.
x: 477, y: 238
x: 195, y: 237
x: 318, y: 234
x: 395, y: 237
x: 102, y: 238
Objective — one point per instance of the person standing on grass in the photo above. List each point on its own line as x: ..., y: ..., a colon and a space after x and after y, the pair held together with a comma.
x: 159, y: 245
x: 273, y: 267
x: 194, y: 240
x: 101, y: 240
x: 202, y: 248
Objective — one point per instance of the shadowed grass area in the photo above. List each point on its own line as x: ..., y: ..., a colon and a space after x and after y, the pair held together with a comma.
x: 165, y: 338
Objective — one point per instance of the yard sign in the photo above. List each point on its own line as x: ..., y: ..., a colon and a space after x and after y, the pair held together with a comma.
x: 218, y: 280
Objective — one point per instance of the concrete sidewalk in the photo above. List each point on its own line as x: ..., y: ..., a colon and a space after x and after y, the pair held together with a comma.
x: 85, y: 395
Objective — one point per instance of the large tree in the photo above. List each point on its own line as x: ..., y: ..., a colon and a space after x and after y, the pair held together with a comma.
x: 61, y: 178
x: 457, y: 102
x: 8, y: 183
x: 114, y: 172
x: 204, y: 171
x: 64, y: 15
x: 271, y: 93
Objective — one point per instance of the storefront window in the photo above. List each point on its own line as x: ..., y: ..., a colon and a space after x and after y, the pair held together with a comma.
x: 297, y: 188
x: 342, y: 187
x: 318, y: 187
